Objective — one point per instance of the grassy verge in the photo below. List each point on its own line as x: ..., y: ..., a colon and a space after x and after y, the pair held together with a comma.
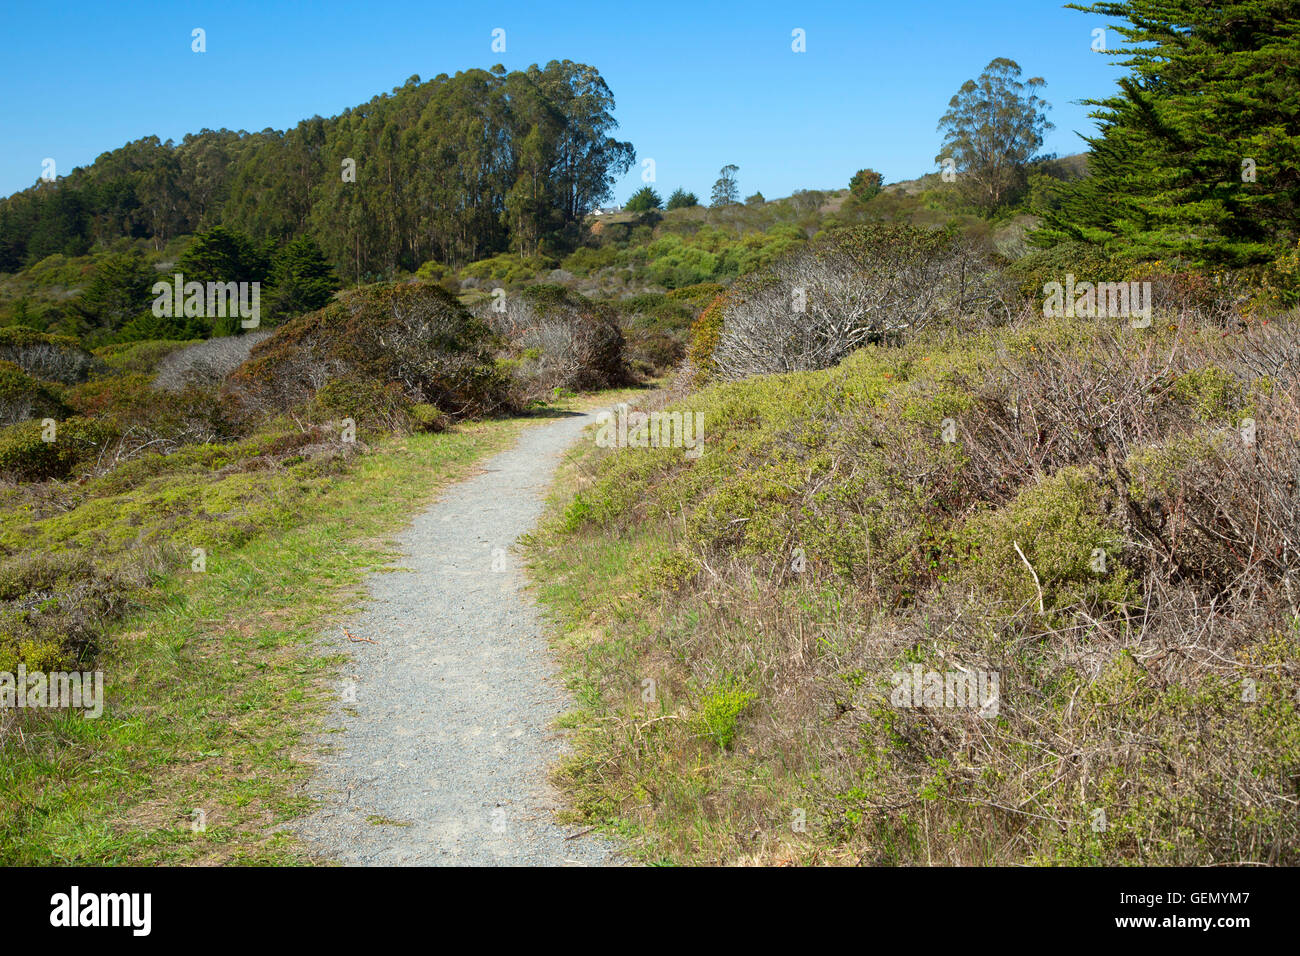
x: 215, y: 681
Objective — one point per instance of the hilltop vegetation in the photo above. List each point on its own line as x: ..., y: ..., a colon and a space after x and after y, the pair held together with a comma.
x: 454, y: 168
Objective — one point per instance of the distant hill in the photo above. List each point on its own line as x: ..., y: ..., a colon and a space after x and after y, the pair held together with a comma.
x: 454, y: 168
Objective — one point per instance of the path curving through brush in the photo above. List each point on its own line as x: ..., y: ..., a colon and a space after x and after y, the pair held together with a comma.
x: 447, y: 718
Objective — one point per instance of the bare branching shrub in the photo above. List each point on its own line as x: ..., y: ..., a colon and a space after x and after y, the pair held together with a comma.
x: 206, y: 363
x: 1204, y: 461
x: 863, y: 285
x: 54, y: 358
x: 558, y: 339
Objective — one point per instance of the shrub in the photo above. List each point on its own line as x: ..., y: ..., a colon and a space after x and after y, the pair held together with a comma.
x: 704, y: 338
x: 656, y: 350
x: 412, y: 335
x: 865, y: 185
x: 428, y: 418
x: 508, y: 268
x: 673, y: 263
x: 365, y: 402
x: 1277, y: 285
x: 561, y: 340
x: 719, y: 710
x: 587, y: 259
x: 1084, y: 261
x: 206, y: 363
x: 1212, y: 393
x: 53, y: 608
x: 145, y: 418
x: 55, y: 358
x: 860, y: 285
x: 22, y: 397
x: 144, y: 356
x: 433, y: 271
x: 25, y: 455
x: 1060, y: 526
x: 1185, y: 295
x: 697, y: 296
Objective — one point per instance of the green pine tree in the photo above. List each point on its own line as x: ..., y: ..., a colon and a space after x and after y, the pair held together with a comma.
x: 643, y: 200
x: 302, y: 279
x: 1199, y: 151
x: 681, y: 199
x: 119, y: 291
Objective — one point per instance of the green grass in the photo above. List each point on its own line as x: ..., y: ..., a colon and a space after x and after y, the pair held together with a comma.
x: 214, y: 688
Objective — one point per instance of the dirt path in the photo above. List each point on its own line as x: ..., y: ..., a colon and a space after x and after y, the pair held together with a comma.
x: 446, y: 720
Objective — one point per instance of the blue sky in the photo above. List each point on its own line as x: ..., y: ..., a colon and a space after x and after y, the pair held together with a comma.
x: 697, y: 84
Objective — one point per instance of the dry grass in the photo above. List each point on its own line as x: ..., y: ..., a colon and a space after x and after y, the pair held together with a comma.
x: 830, y: 539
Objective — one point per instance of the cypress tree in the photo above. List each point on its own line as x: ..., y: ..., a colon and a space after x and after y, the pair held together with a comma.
x: 1198, y: 154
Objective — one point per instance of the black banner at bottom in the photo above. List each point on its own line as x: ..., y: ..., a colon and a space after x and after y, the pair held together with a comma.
x: 337, y: 905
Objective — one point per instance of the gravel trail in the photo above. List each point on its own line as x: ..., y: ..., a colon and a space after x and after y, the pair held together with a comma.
x: 446, y: 721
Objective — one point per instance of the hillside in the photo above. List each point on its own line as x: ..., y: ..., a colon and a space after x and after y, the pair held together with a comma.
x: 380, y: 185
x: 1069, y: 514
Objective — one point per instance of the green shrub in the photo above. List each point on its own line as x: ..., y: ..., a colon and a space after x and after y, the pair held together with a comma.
x: 53, y: 608
x: 587, y: 259
x: 412, y: 335
x: 697, y: 296
x: 22, y: 397
x: 669, y: 571
x: 704, y: 338
x: 365, y: 402
x: 1060, y: 523
x: 428, y: 418
x: 719, y: 710
x: 508, y: 268
x: 1086, y: 262
x: 26, y: 455
x: 433, y: 271
x: 1212, y: 393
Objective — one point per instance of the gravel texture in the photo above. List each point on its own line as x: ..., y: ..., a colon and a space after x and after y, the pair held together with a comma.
x: 446, y: 721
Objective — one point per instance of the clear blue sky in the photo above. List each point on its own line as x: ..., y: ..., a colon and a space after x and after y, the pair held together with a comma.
x: 697, y: 84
